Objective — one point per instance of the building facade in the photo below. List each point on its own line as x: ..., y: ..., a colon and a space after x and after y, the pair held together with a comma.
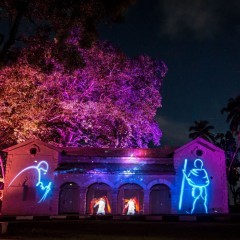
x: 41, y: 179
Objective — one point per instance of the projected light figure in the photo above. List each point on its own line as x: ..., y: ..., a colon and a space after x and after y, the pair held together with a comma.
x: 41, y: 168
x: 103, y: 205
x: 2, y: 168
x: 131, y: 206
x: 198, y: 179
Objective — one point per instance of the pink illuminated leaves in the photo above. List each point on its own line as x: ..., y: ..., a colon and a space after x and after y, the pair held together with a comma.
x: 109, y: 102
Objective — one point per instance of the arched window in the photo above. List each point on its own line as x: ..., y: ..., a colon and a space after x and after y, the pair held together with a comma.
x: 130, y: 199
x: 160, y: 199
x: 69, y: 199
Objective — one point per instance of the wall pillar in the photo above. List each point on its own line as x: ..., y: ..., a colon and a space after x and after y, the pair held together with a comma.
x: 54, y: 201
x: 114, y: 201
x: 83, y: 201
x: 146, y: 201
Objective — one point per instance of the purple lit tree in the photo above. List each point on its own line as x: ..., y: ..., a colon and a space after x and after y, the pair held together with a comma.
x: 110, y: 101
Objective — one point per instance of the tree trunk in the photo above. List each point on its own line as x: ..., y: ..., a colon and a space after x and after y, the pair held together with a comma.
x: 13, y: 31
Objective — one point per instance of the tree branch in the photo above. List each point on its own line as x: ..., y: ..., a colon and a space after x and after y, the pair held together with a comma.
x: 14, y: 30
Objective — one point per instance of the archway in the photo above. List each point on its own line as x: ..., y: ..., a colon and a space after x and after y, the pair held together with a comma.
x: 130, y: 191
x: 95, y: 192
x: 69, y: 198
x: 160, y: 199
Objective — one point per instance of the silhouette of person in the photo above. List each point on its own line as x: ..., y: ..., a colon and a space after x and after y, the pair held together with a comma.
x: 198, y: 179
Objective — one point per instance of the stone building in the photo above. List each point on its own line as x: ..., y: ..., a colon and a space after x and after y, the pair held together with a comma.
x: 42, y: 179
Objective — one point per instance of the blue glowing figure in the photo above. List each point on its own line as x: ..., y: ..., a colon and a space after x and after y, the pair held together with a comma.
x: 41, y: 168
x: 198, y: 179
x: 182, y: 186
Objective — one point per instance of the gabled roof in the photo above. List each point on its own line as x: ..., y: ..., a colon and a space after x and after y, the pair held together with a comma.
x: 31, y: 141
x: 202, y: 142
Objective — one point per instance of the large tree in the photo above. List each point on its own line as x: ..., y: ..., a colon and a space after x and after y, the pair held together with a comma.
x: 228, y: 143
x: 201, y: 129
x: 233, y: 118
x: 233, y: 114
x: 20, y: 19
x: 110, y: 101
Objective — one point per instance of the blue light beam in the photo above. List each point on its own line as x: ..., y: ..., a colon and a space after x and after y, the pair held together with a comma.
x: 182, y: 186
x: 198, y: 179
x: 42, y: 167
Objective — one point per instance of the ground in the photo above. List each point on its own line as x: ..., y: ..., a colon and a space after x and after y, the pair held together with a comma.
x: 120, y: 230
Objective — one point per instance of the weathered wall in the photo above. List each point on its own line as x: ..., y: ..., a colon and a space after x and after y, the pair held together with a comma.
x: 22, y: 171
x: 114, y: 182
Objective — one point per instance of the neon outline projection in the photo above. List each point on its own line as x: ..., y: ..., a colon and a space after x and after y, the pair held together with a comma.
x: 41, y: 167
x: 2, y: 168
x: 198, y: 179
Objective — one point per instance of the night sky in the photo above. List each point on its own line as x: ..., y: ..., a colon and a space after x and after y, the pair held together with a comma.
x: 200, y: 43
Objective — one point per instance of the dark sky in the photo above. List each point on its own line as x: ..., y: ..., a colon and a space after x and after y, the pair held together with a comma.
x: 199, y: 40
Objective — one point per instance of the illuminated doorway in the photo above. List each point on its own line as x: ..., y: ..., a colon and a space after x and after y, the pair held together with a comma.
x: 130, y: 194
x: 95, y: 192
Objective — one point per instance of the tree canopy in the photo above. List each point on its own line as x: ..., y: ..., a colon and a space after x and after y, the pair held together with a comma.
x: 22, y: 19
x: 110, y: 101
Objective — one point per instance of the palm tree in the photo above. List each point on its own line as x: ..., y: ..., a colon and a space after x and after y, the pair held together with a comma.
x: 201, y: 129
x: 233, y: 111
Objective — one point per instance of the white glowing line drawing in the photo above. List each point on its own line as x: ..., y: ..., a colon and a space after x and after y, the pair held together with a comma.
x: 41, y: 167
x: 2, y: 168
x: 198, y: 180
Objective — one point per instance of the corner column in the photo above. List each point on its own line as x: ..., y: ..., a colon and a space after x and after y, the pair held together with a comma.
x: 83, y: 201
x: 146, y: 202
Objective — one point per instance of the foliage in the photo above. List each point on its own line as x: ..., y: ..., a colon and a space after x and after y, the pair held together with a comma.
x: 54, y: 19
x: 110, y: 101
x: 233, y: 117
x: 201, y: 129
x: 228, y: 143
x: 232, y: 146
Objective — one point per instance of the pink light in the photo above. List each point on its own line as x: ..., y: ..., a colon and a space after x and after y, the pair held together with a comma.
x: 2, y: 169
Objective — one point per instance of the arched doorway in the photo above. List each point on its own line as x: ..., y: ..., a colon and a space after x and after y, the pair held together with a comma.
x: 69, y: 198
x: 128, y: 192
x: 160, y: 199
x: 95, y: 192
